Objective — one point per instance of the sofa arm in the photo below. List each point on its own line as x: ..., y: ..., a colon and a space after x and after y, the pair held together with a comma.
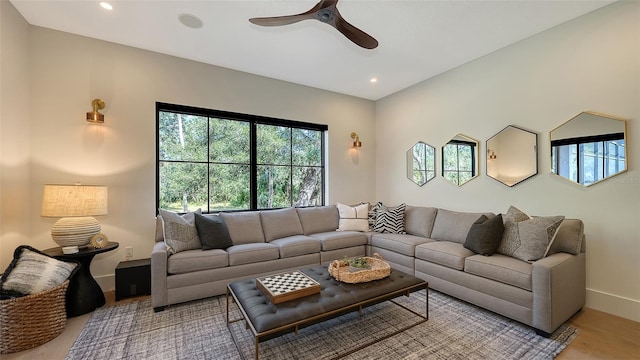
x: 159, y: 256
x: 559, y: 289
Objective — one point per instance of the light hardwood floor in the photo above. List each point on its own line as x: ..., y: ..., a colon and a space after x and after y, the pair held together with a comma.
x: 602, y: 336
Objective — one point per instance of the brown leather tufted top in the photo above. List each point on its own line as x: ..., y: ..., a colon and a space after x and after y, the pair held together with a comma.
x: 334, y: 296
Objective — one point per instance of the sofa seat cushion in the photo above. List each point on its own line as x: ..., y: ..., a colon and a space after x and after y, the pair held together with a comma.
x: 333, y: 240
x: 502, y: 268
x: 297, y: 245
x: 318, y: 219
x: 251, y: 253
x: 401, y: 243
x: 196, y: 260
x: 277, y: 224
x: 445, y: 253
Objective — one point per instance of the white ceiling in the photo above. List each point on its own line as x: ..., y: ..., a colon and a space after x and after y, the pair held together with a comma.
x: 418, y: 38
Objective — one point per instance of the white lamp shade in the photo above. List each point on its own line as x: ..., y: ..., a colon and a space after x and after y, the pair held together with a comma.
x: 74, y: 200
x: 75, y: 204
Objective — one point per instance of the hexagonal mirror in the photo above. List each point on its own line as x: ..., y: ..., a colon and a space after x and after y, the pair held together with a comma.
x: 589, y: 148
x: 421, y: 163
x: 512, y: 155
x: 460, y: 159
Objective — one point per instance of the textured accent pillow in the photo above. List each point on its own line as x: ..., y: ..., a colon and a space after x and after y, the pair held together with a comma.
x: 509, y: 242
x: 213, y: 232
x: 180, y: 232
x: 32, y: 271
x: 485, y: 235
x: 534, y: 237
x: 390, y: 219
x: 353, y: 217
x: 373, y: 211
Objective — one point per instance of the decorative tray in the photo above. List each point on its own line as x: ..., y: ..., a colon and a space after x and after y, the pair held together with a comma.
x: 378, y: 269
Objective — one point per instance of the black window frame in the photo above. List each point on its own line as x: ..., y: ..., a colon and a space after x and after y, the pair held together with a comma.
x: 580, y: 142
x: 458, y: 143
x: 254, y: 121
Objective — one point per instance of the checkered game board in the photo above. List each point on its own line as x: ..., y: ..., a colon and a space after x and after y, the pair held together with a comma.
x: 287, y: 286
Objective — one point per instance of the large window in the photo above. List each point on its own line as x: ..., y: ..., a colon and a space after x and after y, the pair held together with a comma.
x: 588, y: 159
x: 217, y: 160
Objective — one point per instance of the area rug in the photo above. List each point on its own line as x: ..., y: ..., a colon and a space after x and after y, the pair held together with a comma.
x: 198, y: 330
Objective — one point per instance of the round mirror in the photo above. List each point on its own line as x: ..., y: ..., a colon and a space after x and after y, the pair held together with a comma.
x: 421, y: 163
x: 589, y: 148
x: 460, y: 159
x: 512, y: 155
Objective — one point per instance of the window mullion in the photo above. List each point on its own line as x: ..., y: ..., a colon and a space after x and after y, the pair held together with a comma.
x: 253, y: 167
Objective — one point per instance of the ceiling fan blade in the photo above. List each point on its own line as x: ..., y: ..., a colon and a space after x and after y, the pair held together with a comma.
x: 288, y: 19
x: 354, y: 34
x: 279, y: 20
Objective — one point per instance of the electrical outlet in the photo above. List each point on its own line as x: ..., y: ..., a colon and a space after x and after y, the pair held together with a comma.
x: 129, y: 252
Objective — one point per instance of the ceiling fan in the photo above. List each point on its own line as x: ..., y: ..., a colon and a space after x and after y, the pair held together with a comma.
x: 327, y: 12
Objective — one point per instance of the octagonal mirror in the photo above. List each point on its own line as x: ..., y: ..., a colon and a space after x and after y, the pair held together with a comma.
x: 589, y: 148
x: 421, y: 163
x: 512, y: 155
x: 460, y: 159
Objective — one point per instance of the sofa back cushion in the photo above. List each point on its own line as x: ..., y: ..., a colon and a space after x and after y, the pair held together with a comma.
x: 569, y: 238
x: 244, y: 227
x: 319, y: 219
x: 419, y: 220
x: 454, y: 225
x: 280, y: 223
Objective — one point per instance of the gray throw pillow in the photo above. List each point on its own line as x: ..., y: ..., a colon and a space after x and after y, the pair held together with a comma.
x: 180, y: 232
x: 532, y: 238
x: 485, y: 235
x: 510, y: 242
x: 213, y: 232
x: 32, y: 271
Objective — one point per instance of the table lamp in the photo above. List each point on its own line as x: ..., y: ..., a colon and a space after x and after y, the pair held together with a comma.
x: 75, y: 205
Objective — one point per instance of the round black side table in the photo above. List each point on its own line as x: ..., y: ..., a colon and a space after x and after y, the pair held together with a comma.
x: 84, y: 294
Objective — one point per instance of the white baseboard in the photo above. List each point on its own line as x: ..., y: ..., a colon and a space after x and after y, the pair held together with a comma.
x: 614, y: 304
x: 106, y: 282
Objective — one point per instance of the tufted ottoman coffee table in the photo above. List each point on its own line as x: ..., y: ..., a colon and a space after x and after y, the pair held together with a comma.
x: 267, y: 320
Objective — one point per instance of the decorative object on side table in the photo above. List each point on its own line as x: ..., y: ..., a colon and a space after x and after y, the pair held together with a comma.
x: 84, y: 294
x: 378, y: 269
x: 75, y: 205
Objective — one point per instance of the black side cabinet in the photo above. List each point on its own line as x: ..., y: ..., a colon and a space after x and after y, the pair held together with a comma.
x: 133, y: 278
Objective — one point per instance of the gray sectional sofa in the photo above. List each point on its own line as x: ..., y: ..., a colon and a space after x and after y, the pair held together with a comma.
x: 542, y: 294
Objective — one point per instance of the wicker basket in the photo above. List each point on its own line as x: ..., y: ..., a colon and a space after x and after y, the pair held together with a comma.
x: 339, y: 269
x: 32, y: 320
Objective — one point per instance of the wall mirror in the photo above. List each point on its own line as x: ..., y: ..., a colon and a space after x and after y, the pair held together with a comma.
x: 460, y: 159
x: 421, y: 163
x: 512, y: 155
x: 589, y: 148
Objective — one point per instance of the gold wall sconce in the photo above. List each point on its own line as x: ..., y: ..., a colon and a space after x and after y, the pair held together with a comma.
x: 492, y: 155
x: 95, y: 116
x: 356, y: 138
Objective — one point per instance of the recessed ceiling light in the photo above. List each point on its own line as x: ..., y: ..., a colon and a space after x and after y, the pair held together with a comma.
x: 190, y: 21
x: 373, y: 80
x: 106, y: 5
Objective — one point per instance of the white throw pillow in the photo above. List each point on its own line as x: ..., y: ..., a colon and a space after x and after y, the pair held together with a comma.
x: 353, y: 218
